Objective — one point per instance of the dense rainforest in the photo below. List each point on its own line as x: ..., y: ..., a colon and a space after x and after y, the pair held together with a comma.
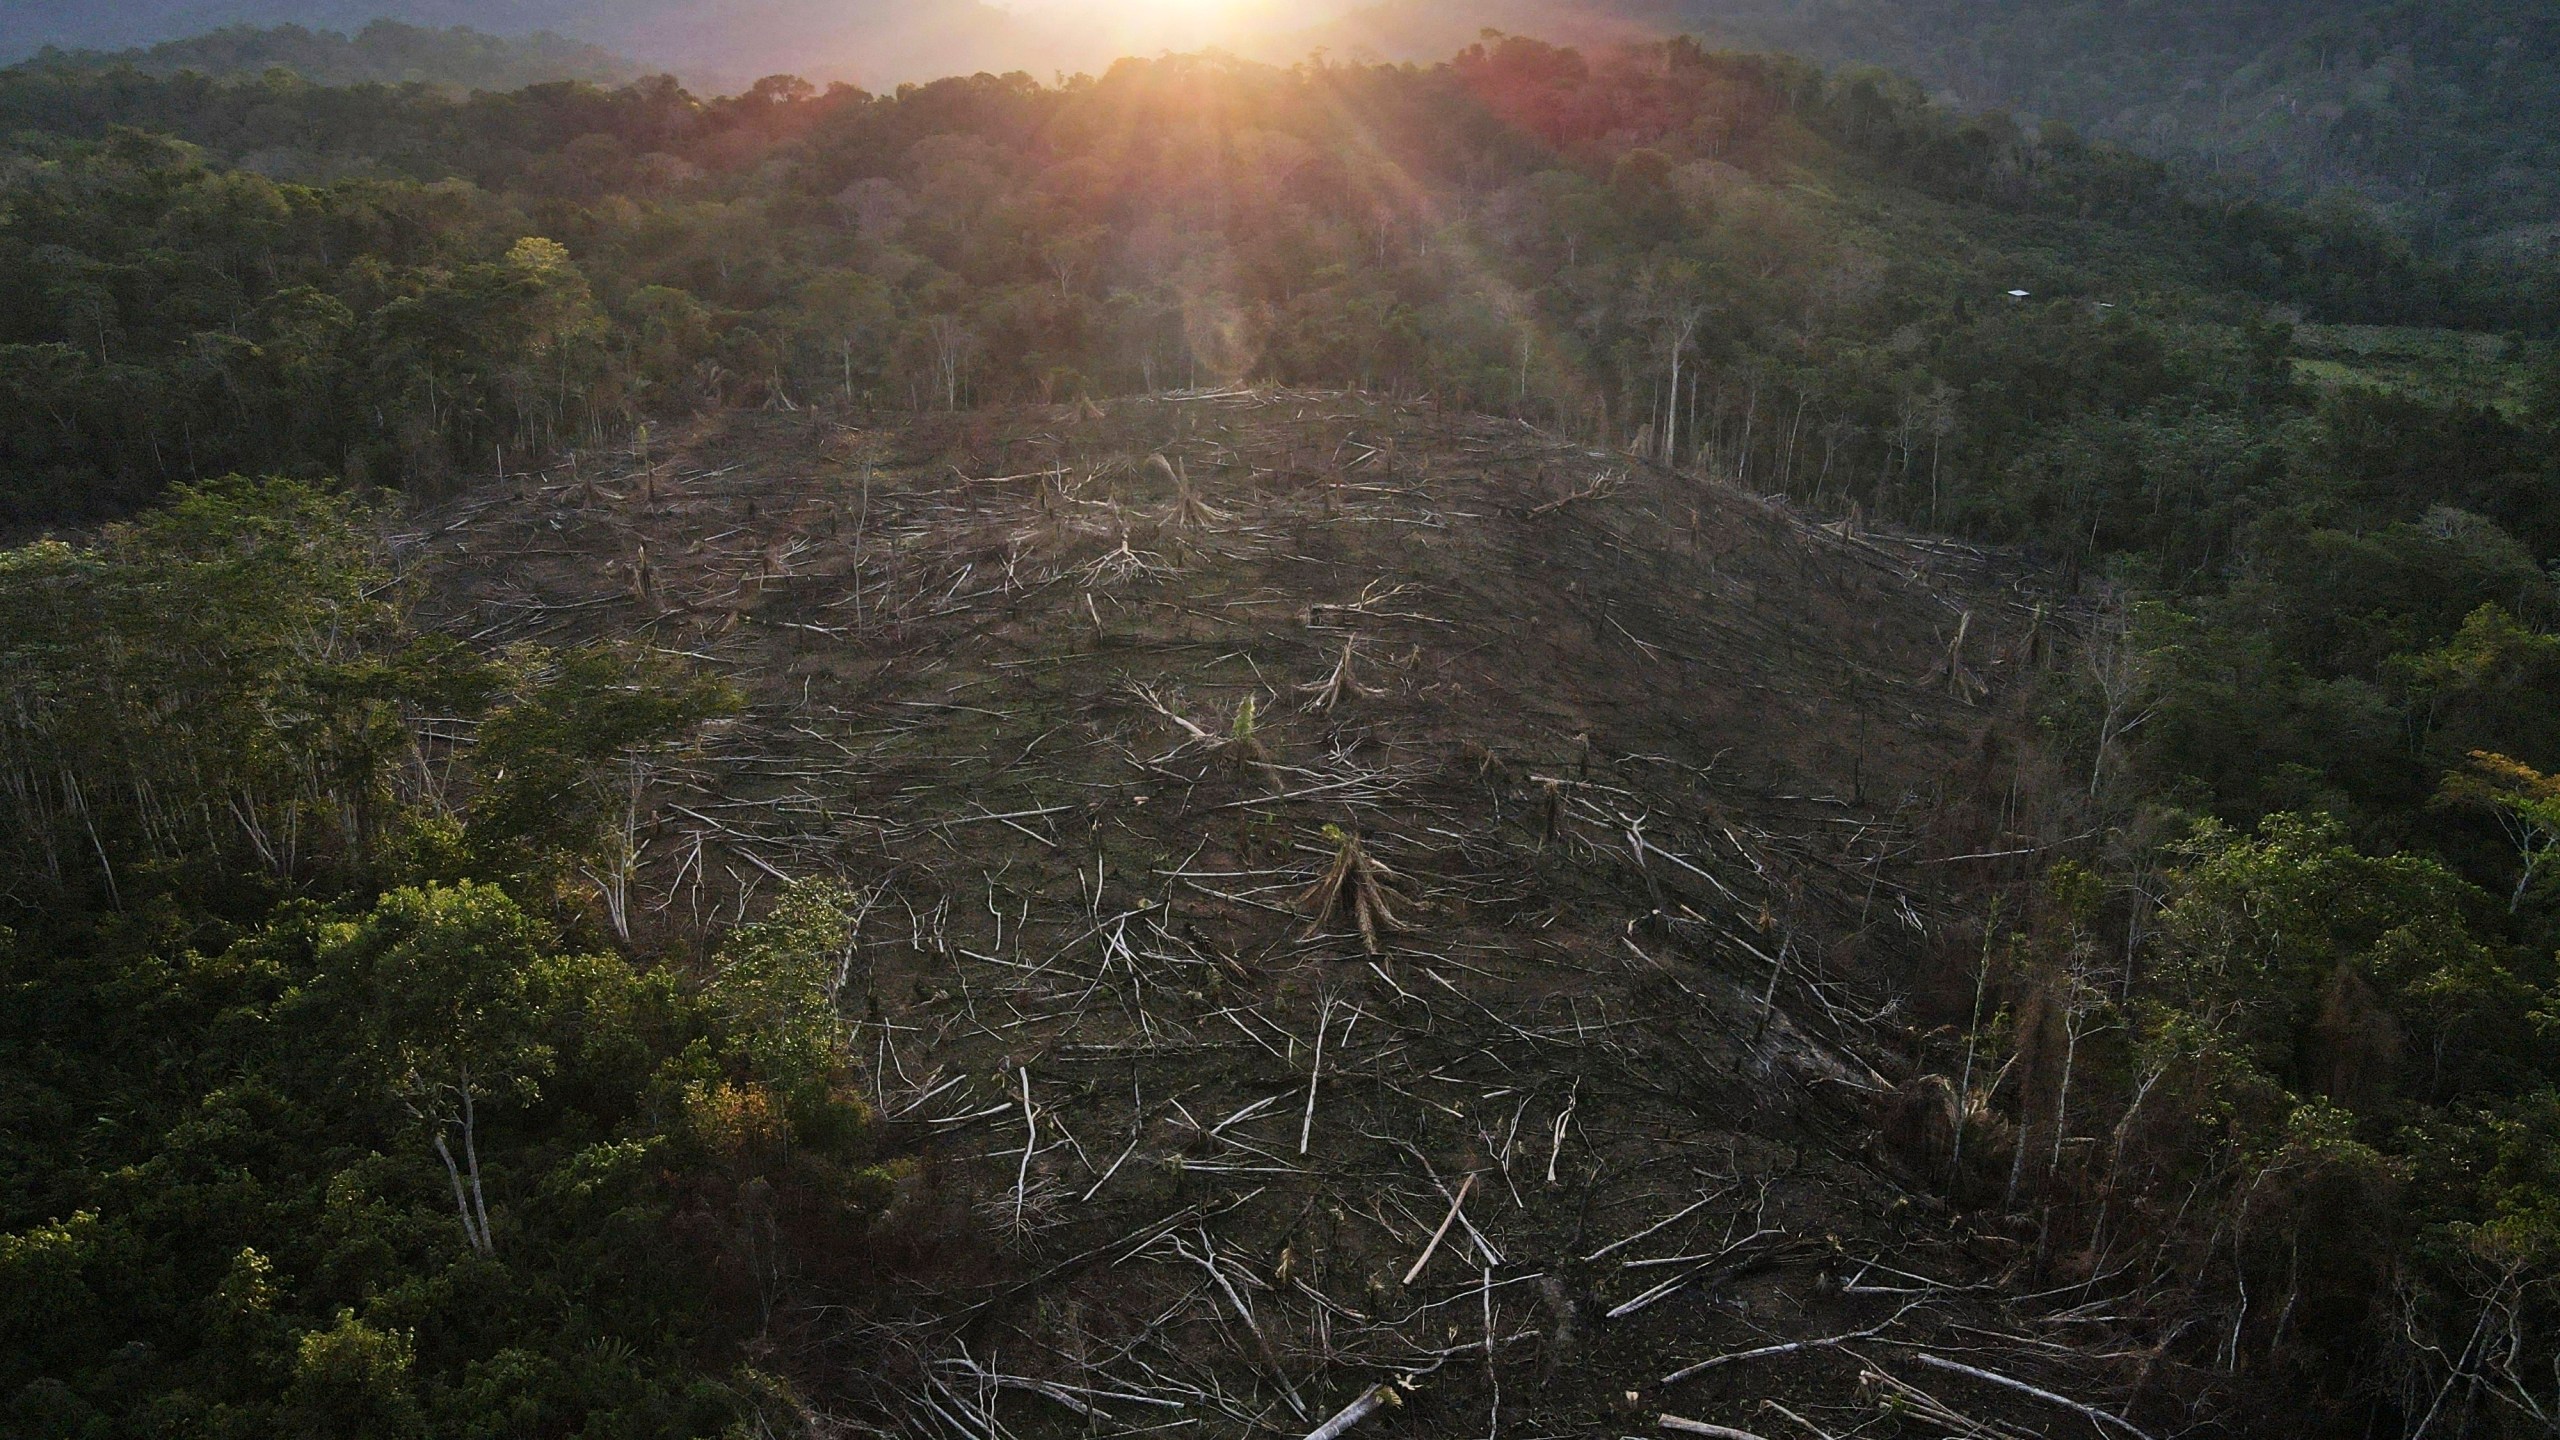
x: 2439, y: 112
x: 2438, y: 116
x: 384, y: 52
x: 299, y: 895
x: 880, y: 42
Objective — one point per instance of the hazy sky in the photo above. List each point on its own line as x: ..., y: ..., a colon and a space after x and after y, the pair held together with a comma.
x: 723, y: 42
x: 1142, y: 25
x: 726, y: 44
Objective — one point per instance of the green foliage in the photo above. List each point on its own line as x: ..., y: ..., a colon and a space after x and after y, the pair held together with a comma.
x: 2521, y: 1182
x: 2489, y: 684
x: 1663, y: 248
x: 234, y: 640
x: 2440, y: 112
x: 167, y: 320
x: 336, y: 1148
x: 562, y: 760
x: 775, y: 984
x: 2526, y: 803
x: 2542, y: 392
x: 448, y: 1019
x: 2340, y: 1054
x: 50, y: 1307
x: 342, y: 1081
x: 2276, y: 940
x: 245, y: 641
x: 352, y: 1379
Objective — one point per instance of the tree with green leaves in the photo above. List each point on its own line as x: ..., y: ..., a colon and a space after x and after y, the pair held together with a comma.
x: 777, y: 982
x: 2526, y: 803
x: 448, y: 1018
x: 563, y: 765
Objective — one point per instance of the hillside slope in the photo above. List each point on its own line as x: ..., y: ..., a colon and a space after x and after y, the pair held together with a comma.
x: 721, y: 47
x: 2443, y: 113
x: 1654, y: 765
x: 383, y: 52
x: 2232, y: 965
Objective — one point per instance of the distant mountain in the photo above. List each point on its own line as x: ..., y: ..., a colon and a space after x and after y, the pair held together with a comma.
x: 2447, y: 111
x: 385, y: 51
x: 720, y: 45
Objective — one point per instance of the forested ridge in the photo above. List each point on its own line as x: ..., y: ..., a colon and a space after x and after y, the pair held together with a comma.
x: 881, y: 42
x: 2440, y: 114
x: 384, y: 52
x: 786, y: 246
x: 342, y: 1096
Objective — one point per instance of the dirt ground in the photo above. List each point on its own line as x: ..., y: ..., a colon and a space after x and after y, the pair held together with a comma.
x: 1377, y: 897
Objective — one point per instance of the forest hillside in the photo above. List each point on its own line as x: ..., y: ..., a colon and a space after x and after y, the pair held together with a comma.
x: 1564, y: 741
x: 2440, y: 113
x: 2440, y: 116
x: 382, y: 53
x: 727, y: 45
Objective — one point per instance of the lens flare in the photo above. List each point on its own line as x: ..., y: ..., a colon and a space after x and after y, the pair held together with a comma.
x: 1145, y: 26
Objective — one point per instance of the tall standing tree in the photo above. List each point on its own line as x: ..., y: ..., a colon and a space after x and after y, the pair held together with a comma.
x: 449, y: 1019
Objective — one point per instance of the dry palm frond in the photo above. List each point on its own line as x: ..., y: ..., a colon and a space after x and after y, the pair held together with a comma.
x: 644, y: 578
x: 1960, y: 681
x: 1339, y: 686
x: 1373, y: 596
x: 775, y: 562
x: 1189, y: 510
x: 2035, y: 647
x: 1352, y: 892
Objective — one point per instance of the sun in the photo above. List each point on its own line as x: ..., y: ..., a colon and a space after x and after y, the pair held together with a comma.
x: 1138, y: 26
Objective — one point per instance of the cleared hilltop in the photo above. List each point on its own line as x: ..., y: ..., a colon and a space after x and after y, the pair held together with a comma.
x: 1647, y: 775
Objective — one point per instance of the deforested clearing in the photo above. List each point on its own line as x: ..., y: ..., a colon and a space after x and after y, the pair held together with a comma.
x: 1351, y: 896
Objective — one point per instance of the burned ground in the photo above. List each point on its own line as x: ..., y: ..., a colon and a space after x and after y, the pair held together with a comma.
x: 1371, y: 896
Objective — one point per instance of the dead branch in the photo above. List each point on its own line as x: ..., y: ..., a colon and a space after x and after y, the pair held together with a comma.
x: 1387, y: 1395
x: 1792, y: 1418
x: 1339, y: 686
x: 2089, y: 1412
x: 1902, y: 1396
x: 1600, y: 487
x: 1442, y: 1233
x: 1680, y: 1426
x: 1769, y: 1351
x: 1315, y: 1077
x: 1030, y: 1145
